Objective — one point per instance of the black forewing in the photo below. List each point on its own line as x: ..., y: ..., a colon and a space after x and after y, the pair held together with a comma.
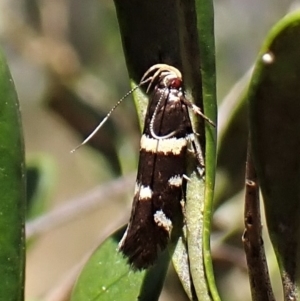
x: 144, y: 237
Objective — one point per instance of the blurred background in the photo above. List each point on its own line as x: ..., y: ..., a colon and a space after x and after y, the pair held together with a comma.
x: 69, y: 70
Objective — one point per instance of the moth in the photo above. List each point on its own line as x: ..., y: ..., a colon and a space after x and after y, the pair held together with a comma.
x: 160, y: 184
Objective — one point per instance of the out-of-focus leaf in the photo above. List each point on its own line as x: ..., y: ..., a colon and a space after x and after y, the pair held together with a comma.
x: 40, y: 182
x: 12, y: 191
x: 232, y: 133
x: 107, y: 276
x: 274, y: 99
x: 40, y: 179
x: 83, y: 118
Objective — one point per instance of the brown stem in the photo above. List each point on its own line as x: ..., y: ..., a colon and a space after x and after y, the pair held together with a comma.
x: 261, y: 289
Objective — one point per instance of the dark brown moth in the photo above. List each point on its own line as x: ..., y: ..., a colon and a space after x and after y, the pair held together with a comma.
x: 160, y: 184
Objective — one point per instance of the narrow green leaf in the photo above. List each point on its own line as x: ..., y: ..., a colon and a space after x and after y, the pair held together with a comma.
x: 194, y: 225
x: 205, y: 23
x: 181, y: 265
x: 107, y: 276
x: 274, y: 99
x: 12, y: 191
x: 232, y: 131
x: 196, y: 35
x: 40, y: 179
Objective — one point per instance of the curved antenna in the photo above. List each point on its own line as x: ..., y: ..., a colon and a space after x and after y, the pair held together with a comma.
x: 159, y: 69
x: 142, y: 82
x: 151, y: 126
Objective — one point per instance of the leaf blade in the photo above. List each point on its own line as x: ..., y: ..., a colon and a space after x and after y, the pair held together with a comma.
x: 107, y: 276
x: 274, y: 126
x: 12, y: 191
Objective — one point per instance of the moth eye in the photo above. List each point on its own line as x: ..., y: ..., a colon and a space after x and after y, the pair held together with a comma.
x: 175, y: 83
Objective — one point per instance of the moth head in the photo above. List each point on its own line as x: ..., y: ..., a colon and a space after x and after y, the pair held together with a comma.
x: 170, y: 80
x: 167, y: 75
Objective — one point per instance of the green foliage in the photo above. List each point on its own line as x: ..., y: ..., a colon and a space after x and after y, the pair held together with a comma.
x: 274, y: 99
x: 178, y: 33
x: 107, y: 276
x: 40, y: 180
x: 12, y: 191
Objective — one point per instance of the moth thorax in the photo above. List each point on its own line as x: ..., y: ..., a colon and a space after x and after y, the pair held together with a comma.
x: 174, y: 95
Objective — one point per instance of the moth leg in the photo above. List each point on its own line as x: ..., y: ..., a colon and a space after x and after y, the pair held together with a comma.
x: 186, y: 177
x: 197, y: 111
x: 196, y: 149
x: 182, y: 203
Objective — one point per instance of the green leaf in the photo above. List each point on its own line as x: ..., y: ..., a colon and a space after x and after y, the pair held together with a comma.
x: 195, y: 228
x: 40, y: 179
x: 274, y: 99
x: 205, y: 22
x: 198, y: 55
x: 12, y: 191
x: 40, y: 175
x: 232, y: 131
x: 107, y: 276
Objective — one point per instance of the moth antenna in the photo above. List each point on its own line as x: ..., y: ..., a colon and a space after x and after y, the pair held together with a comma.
x: 142, y: 82
x: 159, y: 69
x: 153, y: 119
